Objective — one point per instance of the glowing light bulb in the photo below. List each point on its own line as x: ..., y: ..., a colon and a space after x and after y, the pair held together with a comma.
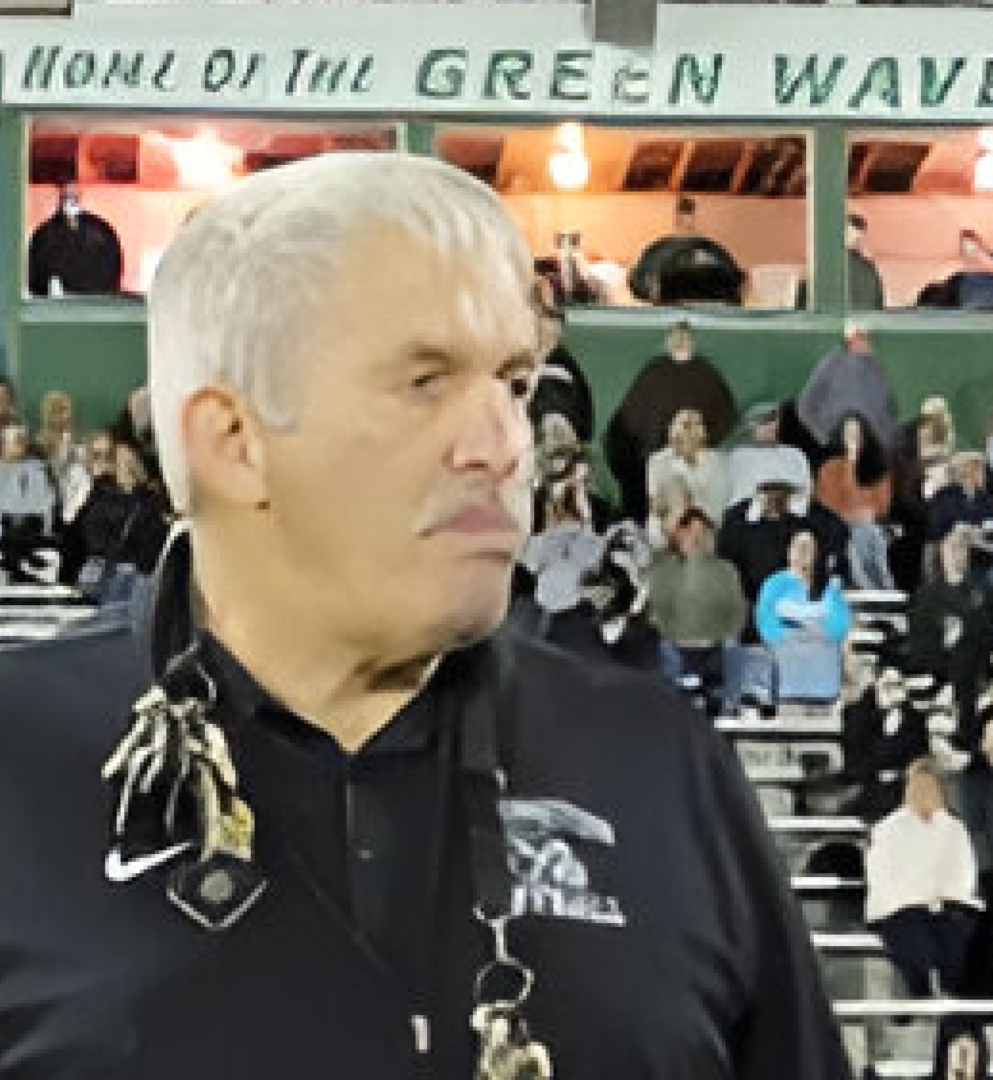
x: 569, y: 171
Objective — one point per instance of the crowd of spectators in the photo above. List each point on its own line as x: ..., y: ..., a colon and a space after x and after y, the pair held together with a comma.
x: 728, y: 564
x: 733, y: 563
x: 80, y: 510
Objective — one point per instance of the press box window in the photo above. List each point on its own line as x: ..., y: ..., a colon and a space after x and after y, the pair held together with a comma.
x: 920, y: 219
x: 105, y: 197
x: 629, y: 216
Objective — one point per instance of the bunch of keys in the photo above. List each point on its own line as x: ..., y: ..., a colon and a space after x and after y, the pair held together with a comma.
x: 506, y: 1049
x: 175, y: 751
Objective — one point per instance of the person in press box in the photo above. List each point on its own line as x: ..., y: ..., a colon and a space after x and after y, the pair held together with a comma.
x: 324, y: 817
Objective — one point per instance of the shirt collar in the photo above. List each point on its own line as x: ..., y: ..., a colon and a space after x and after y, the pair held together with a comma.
x: 412, y: 729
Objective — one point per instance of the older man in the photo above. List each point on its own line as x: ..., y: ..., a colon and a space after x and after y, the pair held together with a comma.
x: 353, y: 831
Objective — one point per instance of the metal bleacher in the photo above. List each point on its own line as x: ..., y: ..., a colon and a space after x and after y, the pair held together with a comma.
x: 888, y: 1034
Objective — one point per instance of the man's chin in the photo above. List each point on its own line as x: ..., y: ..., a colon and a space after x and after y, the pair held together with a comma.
x: 474, y: 622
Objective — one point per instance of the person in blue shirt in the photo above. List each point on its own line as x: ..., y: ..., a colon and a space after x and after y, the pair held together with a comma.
x: 805, y: 633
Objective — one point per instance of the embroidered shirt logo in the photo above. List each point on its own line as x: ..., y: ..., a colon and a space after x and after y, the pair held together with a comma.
x: 549, y: 877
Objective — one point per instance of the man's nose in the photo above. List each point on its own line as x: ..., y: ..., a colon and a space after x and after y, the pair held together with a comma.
x: 495, y: 433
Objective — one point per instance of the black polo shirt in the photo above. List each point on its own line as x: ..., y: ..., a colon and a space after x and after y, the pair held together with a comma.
x: 664, y: 941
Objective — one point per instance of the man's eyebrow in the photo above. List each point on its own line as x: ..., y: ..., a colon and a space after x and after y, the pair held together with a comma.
x: 523, y: 359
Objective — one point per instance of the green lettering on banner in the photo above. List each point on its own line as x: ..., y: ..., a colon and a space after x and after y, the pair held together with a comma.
x: 934, y: 88
x: 299, y: 59
x: 882, y: 81
x: 985, y: 98
x: 327, y: 75
x: 80, y: 70
x: 123, y: 68
x: 789, y: 83
x: 442, y: 74
x: 702, y: 82
x: 631, y: 83
x: 571, y: 75
x: 256, y: 63
x: 219, y: 70
x: 42, y: 58
x: 507, y: 75
x: 362, y: 82
x: 162, y: 79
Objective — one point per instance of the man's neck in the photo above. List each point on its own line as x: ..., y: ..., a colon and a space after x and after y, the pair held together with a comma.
x: 349, y: 690
x: 334, y: 687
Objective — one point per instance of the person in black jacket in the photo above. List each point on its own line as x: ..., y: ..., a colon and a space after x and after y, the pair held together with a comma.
x: 350, y: 827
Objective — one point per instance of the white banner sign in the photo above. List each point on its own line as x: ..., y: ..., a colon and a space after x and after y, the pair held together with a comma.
x: 717, y: 62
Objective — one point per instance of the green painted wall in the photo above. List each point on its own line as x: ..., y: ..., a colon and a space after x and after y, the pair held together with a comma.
x: 94, y: 351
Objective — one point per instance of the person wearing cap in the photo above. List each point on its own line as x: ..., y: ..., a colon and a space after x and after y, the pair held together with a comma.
x: 760, y: 457
x: 325, y: 817
x: 756, y: 533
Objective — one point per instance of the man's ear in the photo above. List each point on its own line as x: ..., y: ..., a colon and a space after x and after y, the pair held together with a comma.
x: 225, y: 452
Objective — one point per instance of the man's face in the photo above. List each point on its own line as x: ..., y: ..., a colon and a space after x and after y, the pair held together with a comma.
x: 401, y: 497
x: 765, y: 431
x: 101, y: 455
x: 14, y: 446
x: 775, y: 500
x: 693, y: 539
x: 58, y: 412
x: 680, y: 344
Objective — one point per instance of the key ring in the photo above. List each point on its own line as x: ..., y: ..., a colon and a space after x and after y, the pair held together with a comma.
x: 503, y: 961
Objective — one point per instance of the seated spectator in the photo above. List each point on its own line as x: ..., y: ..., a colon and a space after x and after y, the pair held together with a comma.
x: 950, y: 621
x: 55, y: 436
x: 562, y: 391
x: 805, y: 634
x: 119, y: 526
x: 760, y: 458
x: 695, y: 600
x: 859, y: 495
x: 756, y: 535
x: 671, y: 499
x: 27, y: 506
x: 565, y: 546
x: 688, y: 456
x: 964, y: 501
x: 8, y: 403
x: 680, y: 379
x: 920, y: 465
x: 686, y: 266
x: 616, y: 594
x: 883, y: 735
x: 969, y: 288
x: 921, y: 886
x: 133, y: 426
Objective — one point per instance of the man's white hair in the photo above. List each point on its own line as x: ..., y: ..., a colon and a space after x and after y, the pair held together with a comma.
x: 247, y: 275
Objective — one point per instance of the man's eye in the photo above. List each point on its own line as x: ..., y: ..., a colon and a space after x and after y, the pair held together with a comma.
x: 521, y: 386
x: 428, y: 380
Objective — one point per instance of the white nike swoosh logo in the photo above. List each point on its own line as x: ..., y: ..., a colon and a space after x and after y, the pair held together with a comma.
x: 118, y: 870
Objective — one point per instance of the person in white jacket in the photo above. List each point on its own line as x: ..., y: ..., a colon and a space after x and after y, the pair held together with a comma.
x: 921, y: 885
